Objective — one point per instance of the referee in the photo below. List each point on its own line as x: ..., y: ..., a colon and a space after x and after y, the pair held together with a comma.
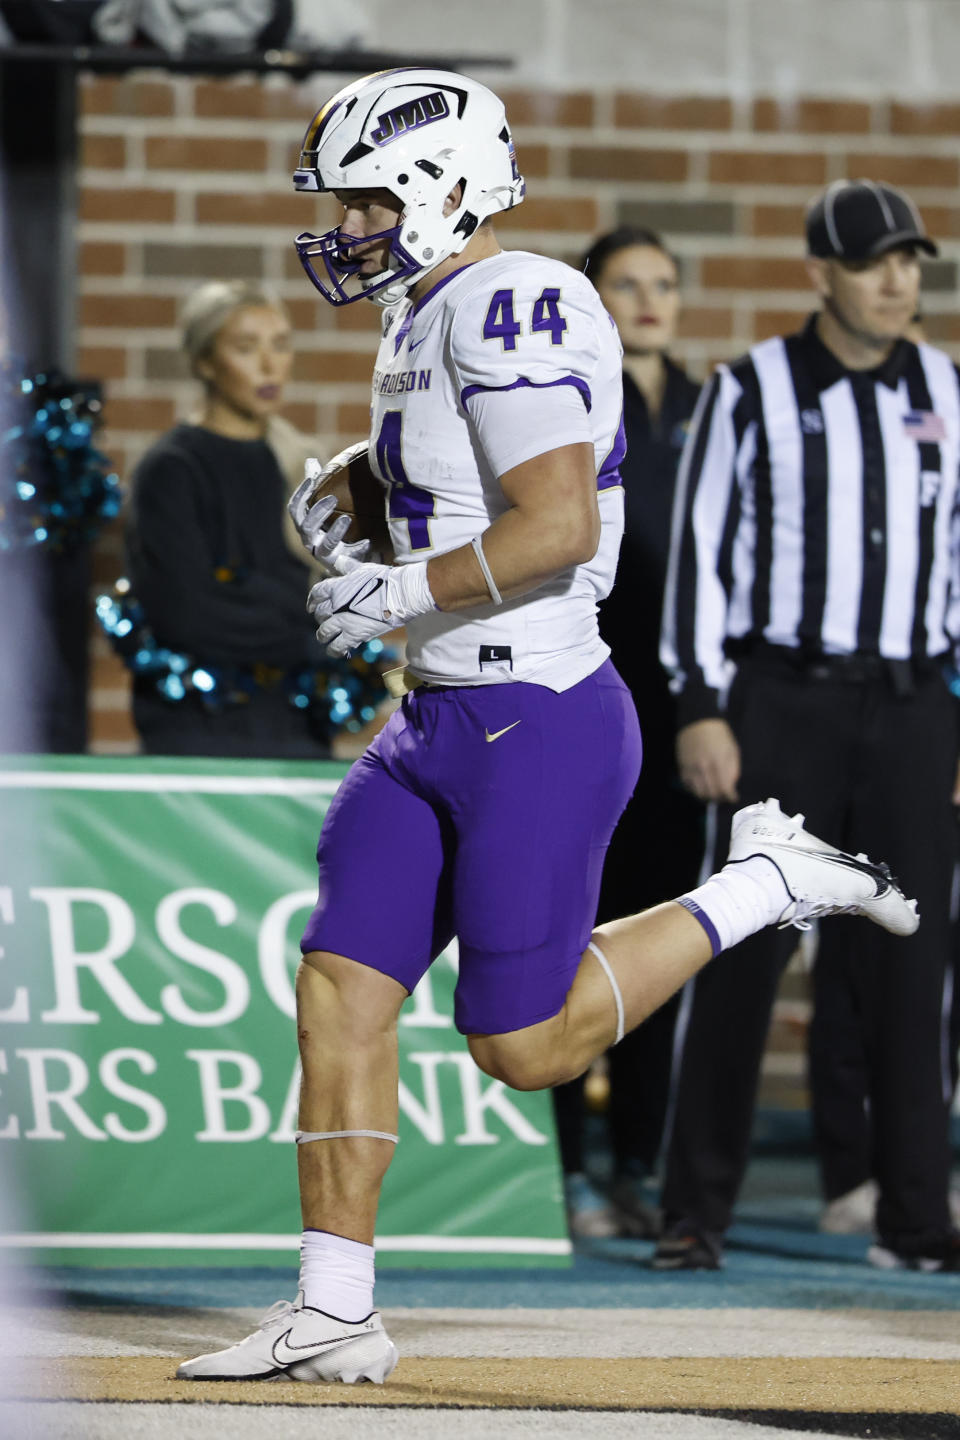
x: 812, y: 596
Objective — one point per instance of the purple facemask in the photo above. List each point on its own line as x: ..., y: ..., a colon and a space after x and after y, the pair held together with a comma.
x: 339, y: 268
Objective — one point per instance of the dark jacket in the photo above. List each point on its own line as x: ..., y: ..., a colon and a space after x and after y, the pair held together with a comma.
x: 210, y: 567
x: 630, y: 616
x: 207, y: 556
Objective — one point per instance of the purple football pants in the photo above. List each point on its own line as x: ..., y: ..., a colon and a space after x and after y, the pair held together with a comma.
x: 482, y: 812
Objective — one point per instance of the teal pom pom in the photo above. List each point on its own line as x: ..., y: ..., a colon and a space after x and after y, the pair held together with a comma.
x: 56, y: 488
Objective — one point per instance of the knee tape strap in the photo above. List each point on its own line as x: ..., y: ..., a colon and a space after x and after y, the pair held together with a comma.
x: 304, y: 1137
x: 617, y: 997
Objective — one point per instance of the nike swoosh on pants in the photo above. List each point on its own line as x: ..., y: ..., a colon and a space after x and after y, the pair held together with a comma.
x: 497, y: 733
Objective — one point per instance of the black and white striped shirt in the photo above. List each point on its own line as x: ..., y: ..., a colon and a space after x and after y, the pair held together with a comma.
x: 816, y: 506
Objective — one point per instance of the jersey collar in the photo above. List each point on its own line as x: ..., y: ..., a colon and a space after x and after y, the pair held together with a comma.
x: 435, y: 289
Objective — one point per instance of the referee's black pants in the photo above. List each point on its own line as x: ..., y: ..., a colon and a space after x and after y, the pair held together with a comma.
x: 872, y: 771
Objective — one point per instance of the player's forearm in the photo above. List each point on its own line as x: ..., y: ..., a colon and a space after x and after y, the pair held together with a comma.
x: 553, y: 523
x: 522, y: 550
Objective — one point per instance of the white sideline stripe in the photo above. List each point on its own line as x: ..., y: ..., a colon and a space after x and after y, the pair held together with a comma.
x: 428, y: 1244
x: 201, y: 784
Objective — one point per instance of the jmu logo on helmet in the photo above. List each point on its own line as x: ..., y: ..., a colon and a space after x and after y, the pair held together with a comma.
x: 410, y: 116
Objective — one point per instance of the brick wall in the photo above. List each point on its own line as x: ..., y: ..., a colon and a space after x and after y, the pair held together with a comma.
x: 183, y: 180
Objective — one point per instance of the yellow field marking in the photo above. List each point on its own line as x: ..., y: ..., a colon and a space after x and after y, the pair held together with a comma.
x: 858, y: 1385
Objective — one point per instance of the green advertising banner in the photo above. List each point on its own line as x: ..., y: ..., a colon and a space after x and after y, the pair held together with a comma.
x: 150, y: 914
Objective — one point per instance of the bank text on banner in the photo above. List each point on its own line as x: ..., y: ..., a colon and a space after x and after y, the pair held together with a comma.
x: 150, y: 913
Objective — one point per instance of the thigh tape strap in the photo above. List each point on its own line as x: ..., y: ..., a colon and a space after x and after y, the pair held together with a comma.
x: 305, y: 1136
x: 617, y: 997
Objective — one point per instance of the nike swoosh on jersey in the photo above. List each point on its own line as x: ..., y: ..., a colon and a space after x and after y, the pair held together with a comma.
x: 414, y: 343
x: 497, y: 733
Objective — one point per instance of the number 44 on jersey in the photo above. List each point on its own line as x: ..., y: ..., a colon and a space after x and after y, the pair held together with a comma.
x: 501, y: 323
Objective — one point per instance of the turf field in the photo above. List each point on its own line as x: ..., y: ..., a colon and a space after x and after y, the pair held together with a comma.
x: 796, y: 1335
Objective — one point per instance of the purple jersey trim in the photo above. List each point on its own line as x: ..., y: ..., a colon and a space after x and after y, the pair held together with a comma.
x: 609, y: 473
x: 435, y: 289
x: 402, y: 332
x: 523, y: 384
x: 704, y: 920
x: 407, y: 321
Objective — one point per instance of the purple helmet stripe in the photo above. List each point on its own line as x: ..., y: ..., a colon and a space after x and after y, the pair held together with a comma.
x: 320, y: 121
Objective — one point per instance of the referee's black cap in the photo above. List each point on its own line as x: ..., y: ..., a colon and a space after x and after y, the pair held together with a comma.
x: 859, y: 219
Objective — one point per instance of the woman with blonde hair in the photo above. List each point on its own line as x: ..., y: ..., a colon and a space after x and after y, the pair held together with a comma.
x: 213, y: 561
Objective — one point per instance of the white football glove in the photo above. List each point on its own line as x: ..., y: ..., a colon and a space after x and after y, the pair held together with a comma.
x: 369, y: 600
x: 326, y: 543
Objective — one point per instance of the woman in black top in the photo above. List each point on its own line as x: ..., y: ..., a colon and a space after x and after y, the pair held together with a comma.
x: 658, y: 844
x: 211, y: 560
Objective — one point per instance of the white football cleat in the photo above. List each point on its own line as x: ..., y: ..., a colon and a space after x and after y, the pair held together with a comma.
x: 821, y: 879
x: 299, y: 1343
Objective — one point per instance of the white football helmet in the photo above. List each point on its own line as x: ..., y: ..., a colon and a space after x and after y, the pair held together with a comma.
x: 417, y: 133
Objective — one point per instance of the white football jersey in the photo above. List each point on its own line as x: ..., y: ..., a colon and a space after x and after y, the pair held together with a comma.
x: 514, y: 322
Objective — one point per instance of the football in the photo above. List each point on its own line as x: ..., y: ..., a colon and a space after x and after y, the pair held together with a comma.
x: 361, y: 495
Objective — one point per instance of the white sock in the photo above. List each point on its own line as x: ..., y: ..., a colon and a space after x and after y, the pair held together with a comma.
x: 744, y: 897
x: 336, y: 1275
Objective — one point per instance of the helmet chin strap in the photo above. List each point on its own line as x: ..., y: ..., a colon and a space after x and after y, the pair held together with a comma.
x: 390, y: 294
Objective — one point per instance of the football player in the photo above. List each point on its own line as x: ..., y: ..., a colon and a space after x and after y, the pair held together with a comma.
x: 484, y: 808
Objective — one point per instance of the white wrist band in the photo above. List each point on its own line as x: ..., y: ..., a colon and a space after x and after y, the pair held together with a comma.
x: 495, y: 595
x: 408, y: 592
